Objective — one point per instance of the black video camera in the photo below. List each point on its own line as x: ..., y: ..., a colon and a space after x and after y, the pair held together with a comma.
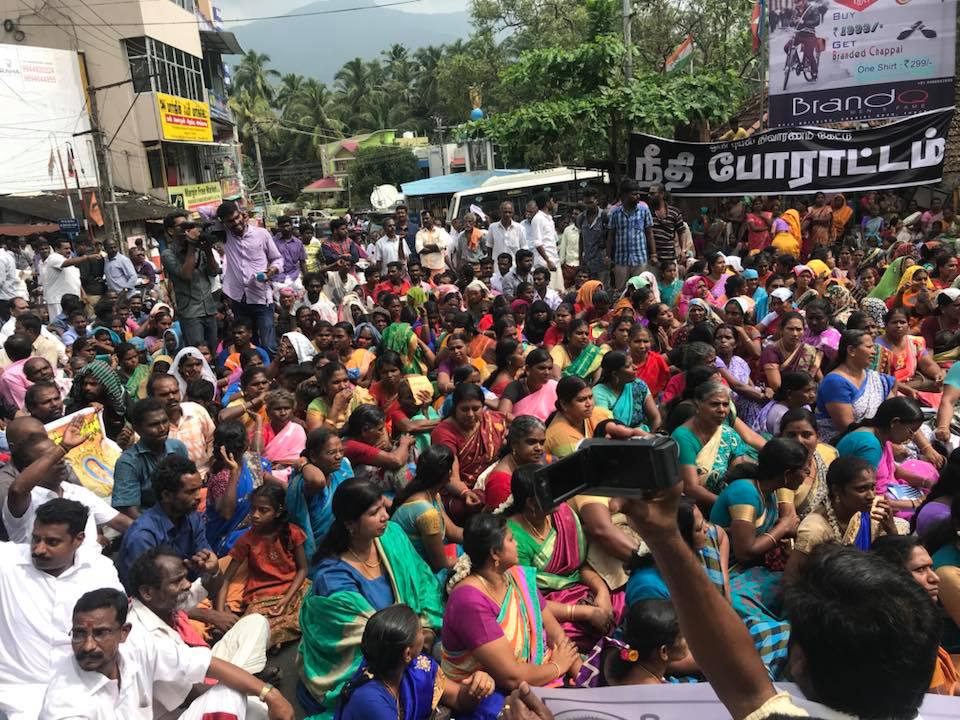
x: 613, y: 468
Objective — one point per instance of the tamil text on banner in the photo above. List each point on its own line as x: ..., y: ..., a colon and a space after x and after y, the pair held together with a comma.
x: 838, y: 60
x: 797, y: 161
x: 94, y: 459
x: 671, y: 701
x: 184, y: 119
x: 205, y: 197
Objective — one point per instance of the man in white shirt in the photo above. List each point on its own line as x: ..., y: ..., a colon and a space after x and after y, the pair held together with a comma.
x: 161, y: 595
x: 505, y: 236
x: 39, y: 585
x: 112, y: 676
x: 390, y: 246
x: 11, y: 286
x: 543, y: 238
x: 542, y: 289
x: 58, y: 273
x: 42, y: 476
x: 432, y: 244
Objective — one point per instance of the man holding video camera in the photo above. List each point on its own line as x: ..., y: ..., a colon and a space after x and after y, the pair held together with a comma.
x: 191, y: 263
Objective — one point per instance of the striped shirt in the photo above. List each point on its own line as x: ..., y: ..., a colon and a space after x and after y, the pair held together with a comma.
x: 630, y: 234
x: 666, y: 233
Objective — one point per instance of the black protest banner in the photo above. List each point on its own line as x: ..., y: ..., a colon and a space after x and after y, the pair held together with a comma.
x: 797, y: 161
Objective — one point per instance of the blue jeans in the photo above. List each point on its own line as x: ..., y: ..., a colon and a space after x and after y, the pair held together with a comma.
x: 261, y: 318
x: 200, y: 330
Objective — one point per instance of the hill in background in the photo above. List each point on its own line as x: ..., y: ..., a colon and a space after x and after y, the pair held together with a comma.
x: 318, y: 46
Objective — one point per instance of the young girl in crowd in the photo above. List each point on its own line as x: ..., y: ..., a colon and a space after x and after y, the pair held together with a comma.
x: 276, y: 566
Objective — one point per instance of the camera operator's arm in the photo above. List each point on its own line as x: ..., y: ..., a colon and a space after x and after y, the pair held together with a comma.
x: 717, y: 637
x: 213, y: 262
x: 598, y: 526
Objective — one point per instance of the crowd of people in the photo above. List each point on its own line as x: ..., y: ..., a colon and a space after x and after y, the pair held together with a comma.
x: 334, y: 442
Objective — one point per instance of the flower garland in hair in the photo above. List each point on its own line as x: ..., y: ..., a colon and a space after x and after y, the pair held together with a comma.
x: 504, y: 506
x: 459, y: 571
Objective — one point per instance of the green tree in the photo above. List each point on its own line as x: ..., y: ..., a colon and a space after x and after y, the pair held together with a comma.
x: 253, y: 75
x: 291, y: 85
x: 380, y: 165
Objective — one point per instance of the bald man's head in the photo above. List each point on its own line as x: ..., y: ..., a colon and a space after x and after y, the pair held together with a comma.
x: 20, y: 428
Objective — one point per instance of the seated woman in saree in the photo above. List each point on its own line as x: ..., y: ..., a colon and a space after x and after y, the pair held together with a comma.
x: 897, y: 420
x: 797, y: 390
x: 457, y: 356
x: 337, y: 398
x: 941, y: 329
x: 789, y: 353
x: 618, y: 332
x: 234, y: 474
x: 248, y: 405
x: 851, y: 392
x: 357, y: 361
x: 189, y: 365
x: 526, y: 439
x: 281, y: 439
x: 576, y: 355
x: 397, y: 680
x: 708, y: 445
x: 536, y: 392
x: 652, y: 644
x: 649, y: 365
x: 417, y: 508
x: 758, y: 517
x: 554, y: 544
x: 910, y: 363
x: 97, y: 382
x: 399, y: 337
x: 364, y: 563
x: 698, y: 312
x: 739, y: 315
x: 231, y: 384
x: 496, y: 620
x: 312, y: 487
x: 907, y: 553
x: 475, y: 434
x: 787, y: 233
x: 819, y: 334
x: 372, y: 453
x: 292, y: 349
x: 748, y: 397
x: 628, y: 399
x: 694, y: 288
x: 509, y: 353
x: 852, y: 515
x: 577, y: 417
x: 945, y: 267
x: 915, y: 292
x: 709, y: 543
x: 799, y: 424
x: 662, y: 324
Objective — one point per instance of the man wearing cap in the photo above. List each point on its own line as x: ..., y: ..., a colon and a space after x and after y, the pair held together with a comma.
x: 191, y: 263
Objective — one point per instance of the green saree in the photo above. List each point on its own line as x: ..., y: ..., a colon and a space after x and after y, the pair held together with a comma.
x: 332, y: 626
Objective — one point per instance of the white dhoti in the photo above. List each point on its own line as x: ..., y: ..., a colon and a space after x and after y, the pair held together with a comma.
x: 245, y: 644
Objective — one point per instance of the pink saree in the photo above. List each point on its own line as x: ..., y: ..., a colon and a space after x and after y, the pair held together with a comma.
x: 283, y: 448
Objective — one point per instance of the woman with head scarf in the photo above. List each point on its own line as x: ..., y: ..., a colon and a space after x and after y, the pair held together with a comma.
x: 841, y: 214
x: 189, y: 364
x: 914, y: 292
x: 97, y: 382
x: 891, y: 278
x: 584, y: 300
x: 787, y: 237
x: 694, y: 287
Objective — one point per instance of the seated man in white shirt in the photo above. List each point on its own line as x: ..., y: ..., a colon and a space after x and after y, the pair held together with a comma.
x: 39, y: 585
x: 863, y: 640
x: 162, y: 593
x: 42, y: 476
x: 541, y: 286
x: 111, y: 676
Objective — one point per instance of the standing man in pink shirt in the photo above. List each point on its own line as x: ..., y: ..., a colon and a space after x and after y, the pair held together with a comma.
x: 250, y: 261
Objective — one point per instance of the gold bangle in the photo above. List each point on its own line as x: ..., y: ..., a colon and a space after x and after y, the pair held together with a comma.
x: 267, y: 689
x: 570, y: 614
x: 557, y: 666
x: 775, y: 541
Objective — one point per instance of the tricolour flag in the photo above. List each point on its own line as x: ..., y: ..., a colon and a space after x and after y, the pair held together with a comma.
x: 756, y: 23
x: 681, y: 55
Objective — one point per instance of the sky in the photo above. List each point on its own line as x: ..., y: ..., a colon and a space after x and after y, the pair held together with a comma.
x: 248, y: 8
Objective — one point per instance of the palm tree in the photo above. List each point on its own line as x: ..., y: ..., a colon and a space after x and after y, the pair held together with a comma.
x: 315, y: 110
x: 395, y: 55
x: 426, y: 82
x: 254, y: 76
x: 383, y: 111
x: 291, y: 85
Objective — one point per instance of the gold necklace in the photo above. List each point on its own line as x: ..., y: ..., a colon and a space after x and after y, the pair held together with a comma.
x: 658, y: 678
x: 364, y: 562
x: 486, y: 585
x: 541, y: 536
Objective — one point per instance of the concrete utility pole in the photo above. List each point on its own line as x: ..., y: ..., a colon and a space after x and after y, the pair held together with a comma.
x: 256, y: 147
x: 627, y: 42
x: 103, y: 161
